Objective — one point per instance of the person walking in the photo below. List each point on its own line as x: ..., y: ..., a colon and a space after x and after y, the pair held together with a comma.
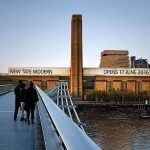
x: 31, y: 99
x: 17, y: 92
x: 22, y: 101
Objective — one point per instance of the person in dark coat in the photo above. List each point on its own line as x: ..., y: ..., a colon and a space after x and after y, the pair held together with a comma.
x: 31, y: 99
x: 22, y: 101
x: 17, y: 92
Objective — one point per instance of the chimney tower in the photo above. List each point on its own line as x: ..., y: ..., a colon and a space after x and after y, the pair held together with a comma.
x: 76, y: 73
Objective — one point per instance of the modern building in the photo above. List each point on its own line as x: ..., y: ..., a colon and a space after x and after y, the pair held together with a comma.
x: 139, y: 63
x: 115, y: 59
x: 113, y: 73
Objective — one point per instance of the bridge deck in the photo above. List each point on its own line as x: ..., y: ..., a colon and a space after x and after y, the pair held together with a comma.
x: 17, y: 134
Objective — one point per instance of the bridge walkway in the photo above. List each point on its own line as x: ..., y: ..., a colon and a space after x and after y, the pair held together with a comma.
x: 15, y: 135
x: 52, y: 130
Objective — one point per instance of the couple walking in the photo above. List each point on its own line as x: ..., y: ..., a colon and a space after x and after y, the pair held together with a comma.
x: 25, y: 100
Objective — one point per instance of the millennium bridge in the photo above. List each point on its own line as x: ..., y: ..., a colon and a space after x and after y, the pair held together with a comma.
x: 57, y: 125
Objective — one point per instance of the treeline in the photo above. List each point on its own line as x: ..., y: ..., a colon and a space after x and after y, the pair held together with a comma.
x: 118, y: 96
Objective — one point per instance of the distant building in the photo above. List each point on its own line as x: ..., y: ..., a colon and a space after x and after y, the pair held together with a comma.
x: 116, y: 73
x: 115, y: 59
x: 139, y: 63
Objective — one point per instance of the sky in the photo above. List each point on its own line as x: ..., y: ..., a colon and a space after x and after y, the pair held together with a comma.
x: 37, y: 33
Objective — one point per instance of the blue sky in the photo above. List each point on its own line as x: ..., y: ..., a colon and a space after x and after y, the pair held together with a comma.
x: 37, y: 32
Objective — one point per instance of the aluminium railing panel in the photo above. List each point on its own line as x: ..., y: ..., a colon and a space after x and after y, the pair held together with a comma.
x: 5, y: 88
x: 63, y: 99
x: 72, y: 136
x: 51, y: 139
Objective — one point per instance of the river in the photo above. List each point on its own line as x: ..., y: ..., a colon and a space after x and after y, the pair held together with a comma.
x: 116, y: 130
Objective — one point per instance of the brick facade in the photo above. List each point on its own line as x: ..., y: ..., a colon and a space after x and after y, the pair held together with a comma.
x: 76, y: 74
x: 135, y: 84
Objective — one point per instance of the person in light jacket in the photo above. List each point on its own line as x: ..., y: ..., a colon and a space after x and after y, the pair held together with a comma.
x: 22, y: 101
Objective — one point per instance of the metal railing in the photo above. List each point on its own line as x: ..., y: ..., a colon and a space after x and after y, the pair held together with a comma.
x: 6, y: 88
x: 72, y: 137
x: 61, y: 96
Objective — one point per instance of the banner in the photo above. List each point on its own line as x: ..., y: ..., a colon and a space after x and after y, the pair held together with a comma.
x: 61, y: 71
x: 117, y: 71
x: 39, y: 71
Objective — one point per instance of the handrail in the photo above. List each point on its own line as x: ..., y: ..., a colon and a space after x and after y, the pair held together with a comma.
x: 2, y: 85
x: 64, y: 101
x: 72, y: 136
x: 51, y: 138
x: 5, y: 88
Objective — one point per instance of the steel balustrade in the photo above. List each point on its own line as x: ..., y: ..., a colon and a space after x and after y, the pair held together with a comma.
x: 63, y: 95
x: 73, y: 137
x: 51, y: 138
x: 5, y: 88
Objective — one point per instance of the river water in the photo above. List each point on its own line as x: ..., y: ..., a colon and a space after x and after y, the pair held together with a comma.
x: 115, y: 130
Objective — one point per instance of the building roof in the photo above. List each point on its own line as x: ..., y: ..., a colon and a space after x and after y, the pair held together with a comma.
x: 114, y: 52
